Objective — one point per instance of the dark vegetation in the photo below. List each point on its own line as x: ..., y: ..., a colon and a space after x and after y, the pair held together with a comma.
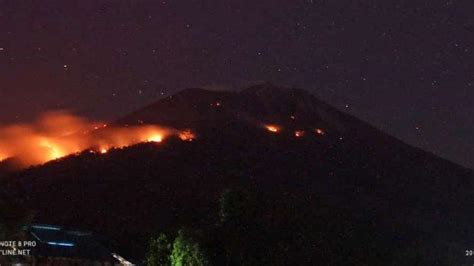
x: 240, y: 195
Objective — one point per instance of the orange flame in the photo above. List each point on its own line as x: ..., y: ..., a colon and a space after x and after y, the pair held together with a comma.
x: 273, y: 128
x: 58, y: 134
x: 155, y: 138
x: 320, y: 132
x: 299, y: 133
x: 187, y: 135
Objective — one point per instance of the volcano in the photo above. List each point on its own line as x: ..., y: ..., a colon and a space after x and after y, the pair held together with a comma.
x: 335, y: 190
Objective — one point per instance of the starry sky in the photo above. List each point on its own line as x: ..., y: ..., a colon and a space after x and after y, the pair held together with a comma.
x: 404, y: 66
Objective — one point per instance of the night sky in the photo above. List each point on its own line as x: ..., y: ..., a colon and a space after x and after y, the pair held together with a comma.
x: 405, y: 67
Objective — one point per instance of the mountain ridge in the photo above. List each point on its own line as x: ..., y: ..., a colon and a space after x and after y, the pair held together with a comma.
x: 264, y: 89
x: 353, y: 167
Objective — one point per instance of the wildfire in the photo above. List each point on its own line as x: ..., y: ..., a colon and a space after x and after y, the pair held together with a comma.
x: 273, y: 128
x: 187, y: 135
x: 299, y: 133
x: 59, y: 134
x: 155, y: 138
x: 53, y: 150
x: 320, y: 132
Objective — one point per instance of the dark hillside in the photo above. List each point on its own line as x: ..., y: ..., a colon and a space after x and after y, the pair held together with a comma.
x: 351, y: 196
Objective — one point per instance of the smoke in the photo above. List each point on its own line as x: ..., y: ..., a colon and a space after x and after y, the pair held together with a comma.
x: 57, y: 134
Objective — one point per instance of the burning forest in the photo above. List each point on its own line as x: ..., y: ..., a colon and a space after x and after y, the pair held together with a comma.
x: 58, y: 134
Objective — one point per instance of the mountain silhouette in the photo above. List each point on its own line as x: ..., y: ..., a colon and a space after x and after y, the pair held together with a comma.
x: 368, y: 193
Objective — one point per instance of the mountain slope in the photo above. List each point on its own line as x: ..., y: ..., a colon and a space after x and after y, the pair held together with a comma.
x: 377, y: 193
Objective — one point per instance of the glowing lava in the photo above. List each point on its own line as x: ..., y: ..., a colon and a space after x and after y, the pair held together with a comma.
x: 59, y: 134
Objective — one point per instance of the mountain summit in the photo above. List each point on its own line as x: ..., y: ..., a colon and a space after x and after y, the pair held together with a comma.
x: 326, y: 178
x: 257, y: 104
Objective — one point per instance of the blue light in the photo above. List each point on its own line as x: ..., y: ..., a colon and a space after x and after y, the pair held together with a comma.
x: 46, y: 227
x: 61, y: 244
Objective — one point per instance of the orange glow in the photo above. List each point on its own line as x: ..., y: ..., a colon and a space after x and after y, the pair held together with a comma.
x: 299, y: 133
x: 187, y: 135
x: 58, y: 134
x: 155, y: 138
x: 320, y: 132
x: 273, y: 128
x: 52, y: 150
